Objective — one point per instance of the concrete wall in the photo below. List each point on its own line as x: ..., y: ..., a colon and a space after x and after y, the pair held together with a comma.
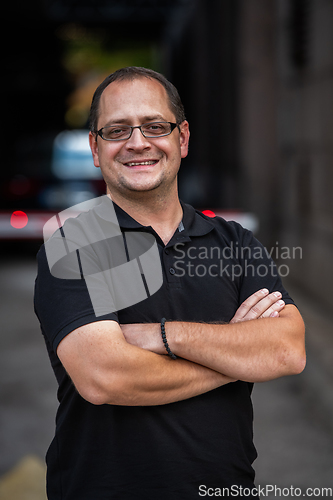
x: 258, y: 147
x: 286, y: 116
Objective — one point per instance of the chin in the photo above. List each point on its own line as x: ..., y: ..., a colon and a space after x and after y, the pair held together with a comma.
x: 144, y: 186
x: 142, y: 189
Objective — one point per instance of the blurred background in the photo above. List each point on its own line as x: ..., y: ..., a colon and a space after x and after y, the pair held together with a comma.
x: 256, y: 79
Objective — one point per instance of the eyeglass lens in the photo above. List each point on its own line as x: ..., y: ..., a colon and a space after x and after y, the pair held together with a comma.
x: 120, y: 132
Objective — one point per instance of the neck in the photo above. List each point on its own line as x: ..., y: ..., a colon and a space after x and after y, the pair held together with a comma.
x: 162, y: 213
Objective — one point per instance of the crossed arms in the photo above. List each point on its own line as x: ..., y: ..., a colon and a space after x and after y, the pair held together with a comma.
x: 127, y: 365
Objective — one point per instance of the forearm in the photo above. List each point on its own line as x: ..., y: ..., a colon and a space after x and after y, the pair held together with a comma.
x: 106, y: 369
x: 248, y: 348
x: 252, y: 351
x: 153, y: 379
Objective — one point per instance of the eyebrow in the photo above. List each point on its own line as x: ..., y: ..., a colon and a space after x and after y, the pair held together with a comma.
x: 145, y: 119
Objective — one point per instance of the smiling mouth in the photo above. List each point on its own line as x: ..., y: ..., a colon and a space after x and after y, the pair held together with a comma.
x: 140, y: 163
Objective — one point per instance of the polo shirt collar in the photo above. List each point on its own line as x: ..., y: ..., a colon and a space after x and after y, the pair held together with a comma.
x: 105, y: 211
x: 194, y: 224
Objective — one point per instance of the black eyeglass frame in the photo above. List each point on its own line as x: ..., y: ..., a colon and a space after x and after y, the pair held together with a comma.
x: 173, y: 126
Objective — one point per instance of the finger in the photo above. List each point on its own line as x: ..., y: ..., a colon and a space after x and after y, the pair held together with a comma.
x: 259, y: 309
x: 276, y: 307
x: 250, y: 302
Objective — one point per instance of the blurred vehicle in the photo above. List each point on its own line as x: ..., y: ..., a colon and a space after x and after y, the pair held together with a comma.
x: 30, y: 201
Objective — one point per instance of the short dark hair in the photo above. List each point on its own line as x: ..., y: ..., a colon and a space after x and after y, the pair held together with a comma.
x: 131, y: 73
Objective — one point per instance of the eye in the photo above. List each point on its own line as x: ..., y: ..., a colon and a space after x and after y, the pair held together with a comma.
x: 115, y: 132
x: 156, y: 128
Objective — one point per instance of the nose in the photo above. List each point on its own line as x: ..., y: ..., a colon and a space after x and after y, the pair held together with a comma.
x: 137, y: 141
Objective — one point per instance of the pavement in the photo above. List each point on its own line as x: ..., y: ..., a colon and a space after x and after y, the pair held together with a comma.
x: 293, y: 428
x: 26, y: 481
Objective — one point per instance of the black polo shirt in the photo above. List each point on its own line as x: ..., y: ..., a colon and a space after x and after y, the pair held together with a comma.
x: 163, y: 452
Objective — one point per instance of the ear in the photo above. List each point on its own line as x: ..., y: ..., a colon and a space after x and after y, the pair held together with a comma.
x: 94, y: 148
x: 184, y: 138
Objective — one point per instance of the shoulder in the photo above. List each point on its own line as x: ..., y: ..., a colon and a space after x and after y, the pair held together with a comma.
x: 198, y: 223
x: 85, y: 223
x: 228, y: 229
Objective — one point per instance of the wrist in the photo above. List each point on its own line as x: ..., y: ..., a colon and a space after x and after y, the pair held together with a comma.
x: 157, y: 344
x: 176, y: 333
x: 165, y: 341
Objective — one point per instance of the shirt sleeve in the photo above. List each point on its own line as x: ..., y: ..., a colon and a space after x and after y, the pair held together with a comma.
x: 259, y: 270
x: 62, y: 305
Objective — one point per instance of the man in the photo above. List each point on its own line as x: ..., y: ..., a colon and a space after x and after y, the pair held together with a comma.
x: 153, y: 409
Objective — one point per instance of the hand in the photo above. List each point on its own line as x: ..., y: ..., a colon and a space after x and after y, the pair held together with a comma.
x: 261, y: 304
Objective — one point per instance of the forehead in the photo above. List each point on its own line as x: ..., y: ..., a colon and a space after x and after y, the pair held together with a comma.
x: 134, y: 100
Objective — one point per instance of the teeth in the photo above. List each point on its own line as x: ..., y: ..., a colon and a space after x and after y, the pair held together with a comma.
x: 133, y: 164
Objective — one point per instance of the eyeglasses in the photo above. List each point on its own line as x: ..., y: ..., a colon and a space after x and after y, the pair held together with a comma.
x: 148, y: 130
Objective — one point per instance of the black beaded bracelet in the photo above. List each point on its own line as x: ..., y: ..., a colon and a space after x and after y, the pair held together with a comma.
x: 166, y: 345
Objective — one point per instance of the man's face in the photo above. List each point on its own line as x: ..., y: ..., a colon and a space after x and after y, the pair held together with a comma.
x: 136, y: 102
